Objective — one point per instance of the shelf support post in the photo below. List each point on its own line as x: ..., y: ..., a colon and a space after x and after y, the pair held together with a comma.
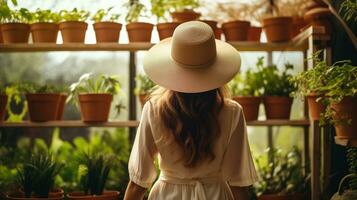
x: 132, y: 97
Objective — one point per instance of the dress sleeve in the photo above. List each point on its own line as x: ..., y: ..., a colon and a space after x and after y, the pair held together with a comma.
x: 238, y: 167
x: 142, y: 170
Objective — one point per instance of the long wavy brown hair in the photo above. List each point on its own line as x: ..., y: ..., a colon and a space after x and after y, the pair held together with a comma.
x: 192, y: 118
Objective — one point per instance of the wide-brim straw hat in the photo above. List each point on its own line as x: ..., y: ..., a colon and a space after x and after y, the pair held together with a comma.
x: 192, y: 60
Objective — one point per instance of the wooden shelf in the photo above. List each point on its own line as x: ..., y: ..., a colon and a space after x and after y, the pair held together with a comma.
x: 279, y: 122
x: 346, y: 142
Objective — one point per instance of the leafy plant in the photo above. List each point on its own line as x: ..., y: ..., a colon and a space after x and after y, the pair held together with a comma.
x: 349, y: 10
x: 104, y: 15
x: 5, y: 11
x: 248, y: 84
x: 135, y: 10
x: 74, y: 15
x: 159, y: 8
x: 15, y: 16
x: 45, y: 16
x: 181, y: 5
x: 143, y: 84
x: 37, y: 88
x: 352, y: 166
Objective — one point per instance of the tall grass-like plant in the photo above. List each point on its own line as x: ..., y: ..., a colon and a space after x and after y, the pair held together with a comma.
x: 349, y: 9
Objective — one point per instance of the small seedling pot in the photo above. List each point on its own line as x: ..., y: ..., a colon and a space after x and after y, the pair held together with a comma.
x: 139, y: 31
x: 15, y: 32
x: 3, y: 103
x: 250, y: 106
x: 44, y: 32
x: 277, y: 107
x: 107, y: 195
x: 213, y: 25
x: 236, y: 30
x: 254, y: 33
x: 278, y: 29
x: 166, y: 30
x: 107, y: 31
x: 73, y: 31
x: 185, y: 16
x: 320, y: 17
x: 315, y: 108
x: 43, y: 107
x: 95, y: 107
x: 61, y: 105
x: 344, y: 111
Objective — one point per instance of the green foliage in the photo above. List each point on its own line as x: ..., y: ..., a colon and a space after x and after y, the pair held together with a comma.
x: 248, y: 84
x: 159, y: 8
x: 38, y: 88
x: 135, y: 10
x: 45, y: 16
x: 15, y: 16
x: 282, y: 174
x: 349, y: 9
x: 181, y: 5
x: 105, y: 15
x: 74, y: 15
x: 352, y: 166
x: 143, y: 84
x: 5, y: 11
x: 275, y: 82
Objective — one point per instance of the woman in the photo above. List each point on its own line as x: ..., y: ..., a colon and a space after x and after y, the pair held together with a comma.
x: 198, y: 135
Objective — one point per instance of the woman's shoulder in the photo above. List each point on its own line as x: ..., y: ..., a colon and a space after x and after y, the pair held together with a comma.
x: 232, y: 105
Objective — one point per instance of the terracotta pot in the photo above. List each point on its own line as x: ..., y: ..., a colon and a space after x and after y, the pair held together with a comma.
x: 1, y: 40
x: 213, y: 25
x: 320, y: 17
x: 107, y: 195
x: 73, y: 31
x: 3, y: 103
x: 15, y: 32
x: 61, y: 105
x: 143, y: 98
x: 185, y: 16
x: 43, y: 107
x: 274, y: 197
x: 166, y: 29
x: 346, y: 109
x: 298, y: 24
x: 44, y: 32
x: 277, y: 107
x: 254, y: 33
x: 250, y: 106
x: 139, y: 31
x: 278, y: 29
x: 315, y: 108
x: 107, y: 31
x: 236, y: 30
x: 95, y: 107
x: 55, y: 194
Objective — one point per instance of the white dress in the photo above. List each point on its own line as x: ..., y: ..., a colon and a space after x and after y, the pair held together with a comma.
x: 233, y: 164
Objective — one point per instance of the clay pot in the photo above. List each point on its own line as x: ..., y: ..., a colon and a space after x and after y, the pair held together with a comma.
x: 1, y: 40
x: 346, y: 110
x: 44, y: 32
x: 185, y: 16
x: 15, y: 32
x: 236, y: 30
x: 73, y: 31
x: 3, y: 103
x: 319, y: 17
x: 213, y: 25
x: 298, y: 24
x: 166, y: 30
x: 61, y: 105
x: 95, y: 107
x: 139, y: 31
x: 277, y: 107
x: 315, y: 108
x: 143, y: 98
x: 107, y: 31
x: 250, y: 106
x: 107, y: 195
x: 43, y: 107
x: 254, y: 33
x: 55, y: 194
x: 278, y: 29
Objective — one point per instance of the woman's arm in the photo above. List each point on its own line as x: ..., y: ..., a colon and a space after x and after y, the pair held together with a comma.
x: 240, y: 193
x: 134, y: 192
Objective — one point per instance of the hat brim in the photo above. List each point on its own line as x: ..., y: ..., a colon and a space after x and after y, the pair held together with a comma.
x: 166, y: 72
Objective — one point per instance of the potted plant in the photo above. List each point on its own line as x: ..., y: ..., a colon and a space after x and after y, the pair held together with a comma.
x: 44, y: 27
x: 236, y: 30
x: 95, y: 168
x: 137, y: 31
x: 15, y: 27
x: 281, y: 177
x: 246, y: 90
x: 36, y: 178
x: 277, y: 89
x: 73, y: 26
x: 254, y: 33
x: 43, y: 101
x: 3, y: 102
x: 165, y: 29
x: 106, y: 27
x: 183, y: 10
x: 278, y: 28
x: 95, y: 95
x: 144, y: 87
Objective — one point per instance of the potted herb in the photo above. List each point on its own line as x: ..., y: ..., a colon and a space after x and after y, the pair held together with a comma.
x: 73, y: 26
x: 236, y: 30
x: 106, y: 26
x: 246, y: 90
x: 44, y: 27
x: 183, y: 10
x: 5, y: 13
x: 95, y: 168
x: 3, y: 102
x: 137, y: 31
x: 281, y: 177
x: 36, y: 178
x: 43, y: 101
x: 95, y: 95
x: 15, y: 27
x: 144, y: 87
x: 277, y: 89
